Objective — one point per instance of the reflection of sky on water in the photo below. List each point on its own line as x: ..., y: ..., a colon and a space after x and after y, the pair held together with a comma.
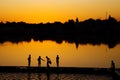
x: 85, y: 56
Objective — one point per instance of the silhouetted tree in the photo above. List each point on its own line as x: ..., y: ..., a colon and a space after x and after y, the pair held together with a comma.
x: 90, y: 31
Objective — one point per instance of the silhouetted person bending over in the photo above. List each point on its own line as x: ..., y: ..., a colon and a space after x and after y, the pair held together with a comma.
x: 112, y: 66
x: 48, y: 62
x: 57, y: 60
x: 29, y: 60
x: 39, y: 61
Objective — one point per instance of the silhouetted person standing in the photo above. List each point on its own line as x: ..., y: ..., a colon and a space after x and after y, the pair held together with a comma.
x: 57, y: 60
x: 48, y: 67
x: 29, y: 60
x: 48, y: 62
x: 112, y: 66
x: 39, y: 61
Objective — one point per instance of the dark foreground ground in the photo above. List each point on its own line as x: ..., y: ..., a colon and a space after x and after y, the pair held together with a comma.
x: 60, y: 70
x: 54, y: 69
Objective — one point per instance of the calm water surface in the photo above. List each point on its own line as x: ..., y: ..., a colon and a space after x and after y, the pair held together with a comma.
x: 84, y: 56
x: 43, y: 76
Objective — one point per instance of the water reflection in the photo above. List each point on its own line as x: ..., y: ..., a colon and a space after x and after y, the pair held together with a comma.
x: 29, y: 76
x: 85, y: 56
x: 57, y: 77
x: 48, y: 75
x: 42, y: 76
x: 90, y: 31
x: 39, y: 76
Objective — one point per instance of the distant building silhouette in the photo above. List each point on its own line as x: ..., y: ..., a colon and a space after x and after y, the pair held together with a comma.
x: 112, y: 20
x: 29, y: 60
x: 77, y: 20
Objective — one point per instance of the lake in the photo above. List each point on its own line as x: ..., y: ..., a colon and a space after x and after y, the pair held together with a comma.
x: 86, y: 55
x: 43, y: 76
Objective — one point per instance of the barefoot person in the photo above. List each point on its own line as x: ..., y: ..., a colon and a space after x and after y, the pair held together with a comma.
x: 39, y: 61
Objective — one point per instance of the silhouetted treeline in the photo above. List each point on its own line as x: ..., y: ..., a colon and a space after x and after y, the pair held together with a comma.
x: 85, y: 32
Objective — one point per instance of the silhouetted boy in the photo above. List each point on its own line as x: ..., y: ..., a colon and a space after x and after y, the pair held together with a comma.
x: 57, y: 60
x: 39, y: 61
x: 29, y: 60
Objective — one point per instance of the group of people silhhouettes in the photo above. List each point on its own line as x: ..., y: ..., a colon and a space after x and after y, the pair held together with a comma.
x: 48, y: 61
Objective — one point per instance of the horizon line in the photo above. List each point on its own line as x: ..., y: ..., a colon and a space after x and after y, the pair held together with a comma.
x: 118, y: 20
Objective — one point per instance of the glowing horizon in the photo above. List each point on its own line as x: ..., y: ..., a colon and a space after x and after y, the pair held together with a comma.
x: 37, y: 11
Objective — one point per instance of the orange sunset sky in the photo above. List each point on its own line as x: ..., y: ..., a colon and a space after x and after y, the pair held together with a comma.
x: 37, y: 11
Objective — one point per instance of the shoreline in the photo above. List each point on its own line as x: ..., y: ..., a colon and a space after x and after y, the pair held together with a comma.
x: 90, y: 31
x: 77, y: 70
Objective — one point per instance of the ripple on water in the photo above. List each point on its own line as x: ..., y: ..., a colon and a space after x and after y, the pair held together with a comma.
x: 43, y: 76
